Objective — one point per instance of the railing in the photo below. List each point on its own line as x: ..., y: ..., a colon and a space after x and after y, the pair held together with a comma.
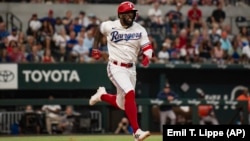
x: 145, y: 103
x: 13, y: 21
x: 7, y: 119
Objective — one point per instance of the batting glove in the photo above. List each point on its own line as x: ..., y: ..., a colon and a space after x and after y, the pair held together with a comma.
x: 96, y: 53
x: 145, y: 61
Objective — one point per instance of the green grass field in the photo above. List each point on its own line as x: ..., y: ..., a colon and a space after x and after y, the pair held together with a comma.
x: 78, y: 138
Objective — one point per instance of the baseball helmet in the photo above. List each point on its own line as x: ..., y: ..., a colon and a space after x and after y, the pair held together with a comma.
x: 126, y: 7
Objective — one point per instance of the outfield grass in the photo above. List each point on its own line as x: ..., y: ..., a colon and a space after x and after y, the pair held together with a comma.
x: 78, y: 138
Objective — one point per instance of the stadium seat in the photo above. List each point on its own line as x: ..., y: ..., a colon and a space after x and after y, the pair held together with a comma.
x: 241, y: 21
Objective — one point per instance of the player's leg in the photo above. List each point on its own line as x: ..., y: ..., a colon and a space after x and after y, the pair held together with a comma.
x: 102, y: 95
x: 48, y: 125
x: 125, y: 82
x: 163, y: 118
x: 114, y: 100
x: 121, y: 78
x: 172, y: 117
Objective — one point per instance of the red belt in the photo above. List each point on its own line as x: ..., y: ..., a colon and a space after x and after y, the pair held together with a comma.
x: 126, y: 65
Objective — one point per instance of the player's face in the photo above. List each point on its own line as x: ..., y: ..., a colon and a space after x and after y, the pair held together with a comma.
x: 127, y: 18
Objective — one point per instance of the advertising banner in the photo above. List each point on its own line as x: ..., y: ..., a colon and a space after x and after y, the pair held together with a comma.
x: 8, y: 76
x: 62, y: 76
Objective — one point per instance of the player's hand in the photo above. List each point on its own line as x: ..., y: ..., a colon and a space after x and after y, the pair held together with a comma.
x: 145, y: 61
x: 96, y: 54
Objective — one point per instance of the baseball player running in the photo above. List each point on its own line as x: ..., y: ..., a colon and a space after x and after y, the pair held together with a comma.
x: 125, y: 40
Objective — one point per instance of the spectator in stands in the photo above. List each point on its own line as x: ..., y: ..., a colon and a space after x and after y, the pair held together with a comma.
x: 181, y: 42
x: 174, y: 20
x: 34, y: 56
x: 21, y: 38
x: 243, y: 35
x: 191, y: 52
x: 163, y: 55
x: 52, y: 112
x: 215, y: 34
x: 13, y: 35
x: 155, y: 47
x: 228, y: 29
x: 77, y: 25
x: 82, y: 33
x: 47, y: 57
x: 29, y: 43
x: 58, y: 25
x: 156, y: 17
x: 174, y: 51
x: 246, y: 51
x: 67, y: 121
x: 34, y: 25
x: 11, y: 45
x: 205, y: 51
x: 83, y: 19
x: 68, y: 18
x: 60, y: 39
x: 4, y: 33
x: 80, y: 53
x: 16, y: 55
x: 244, y: 96
x: 225, y: 41
x: 194, y: 16
x: 93, y: 19
x: 50, y: 18
x: 89, y: 38
x: 183, y: 37
x: 218, y: 54
x: 62, y: 56
x: 4, y: 56
x: 23, y: 50
x: 236, y: 52
x: 46, y: 32
x: 218, y: 15
x: 166, y: 111
x: 70, y: 43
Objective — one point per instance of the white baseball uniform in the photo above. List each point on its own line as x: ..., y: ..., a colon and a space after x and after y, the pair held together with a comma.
x: 124, y: 46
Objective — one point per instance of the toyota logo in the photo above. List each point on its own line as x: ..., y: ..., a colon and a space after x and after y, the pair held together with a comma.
x: 6, y: 76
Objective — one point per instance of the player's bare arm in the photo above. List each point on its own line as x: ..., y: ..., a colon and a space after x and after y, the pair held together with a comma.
x: 97, y: 39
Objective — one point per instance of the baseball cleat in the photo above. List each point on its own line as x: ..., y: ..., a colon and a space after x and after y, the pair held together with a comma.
x: 97, y: 96
x: 141, y: 135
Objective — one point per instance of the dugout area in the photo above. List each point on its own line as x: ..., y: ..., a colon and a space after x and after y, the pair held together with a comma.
x: 217, y: 83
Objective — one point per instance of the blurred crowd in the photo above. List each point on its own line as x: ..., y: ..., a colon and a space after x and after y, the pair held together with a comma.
x: 176, y: 38
x: 145, y: 2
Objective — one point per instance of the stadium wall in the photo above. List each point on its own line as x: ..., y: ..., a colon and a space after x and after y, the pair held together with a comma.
x: 213, y: 79
x: 22, y: 84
